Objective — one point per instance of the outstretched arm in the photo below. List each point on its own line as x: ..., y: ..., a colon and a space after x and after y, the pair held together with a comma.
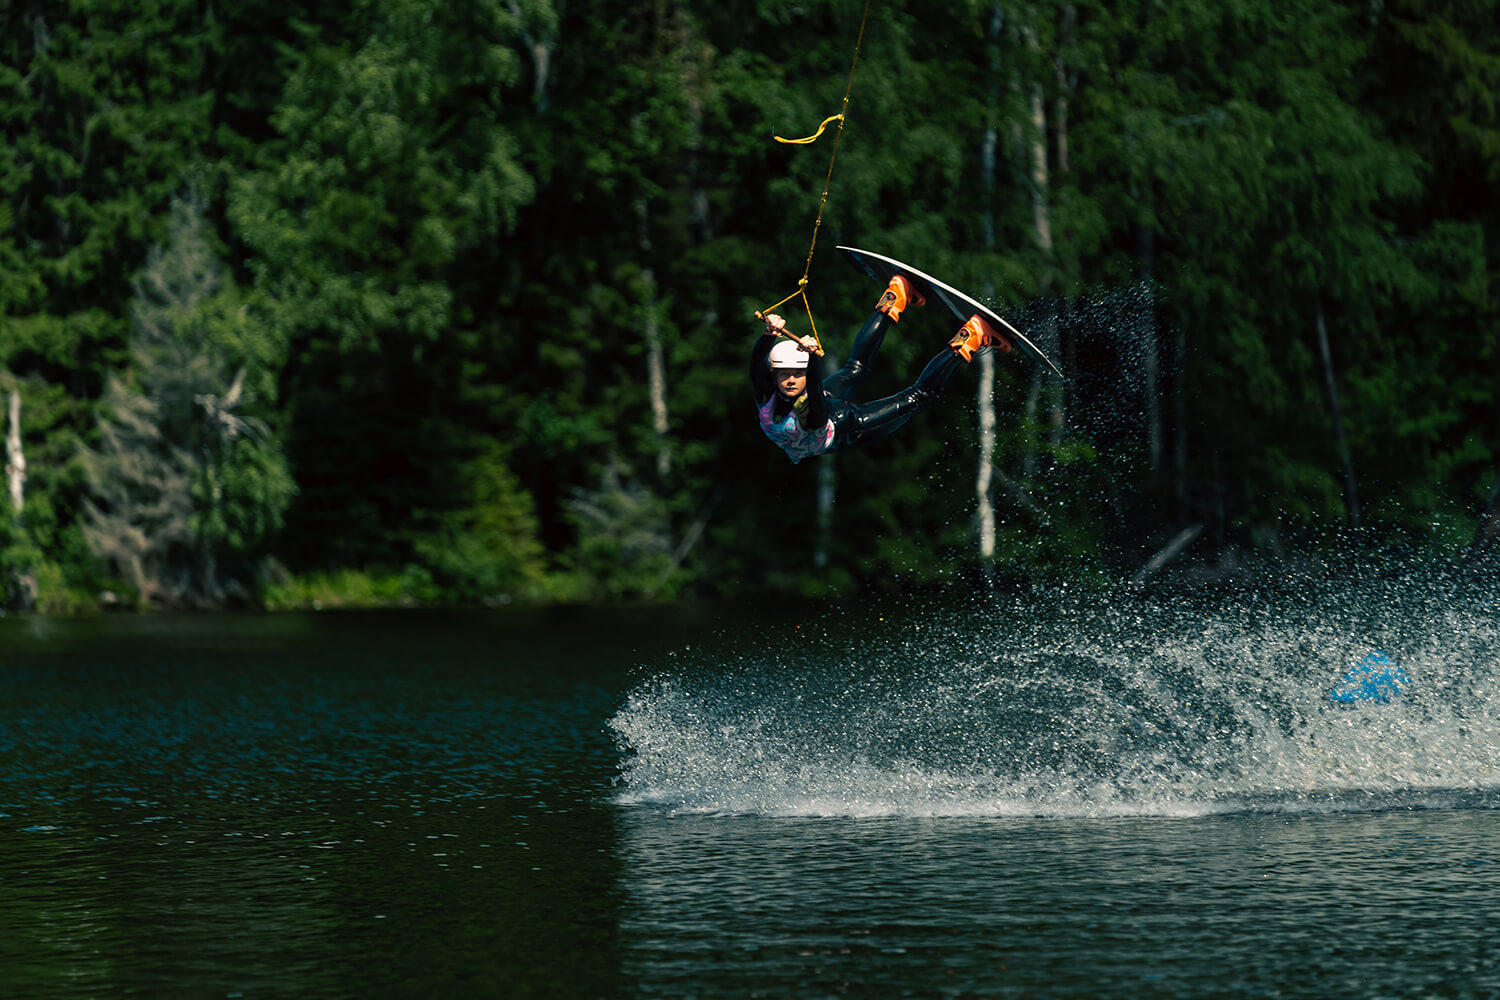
x: 760, y: 374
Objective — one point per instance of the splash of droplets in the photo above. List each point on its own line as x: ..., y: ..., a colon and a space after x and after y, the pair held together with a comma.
x: 1058, y: 704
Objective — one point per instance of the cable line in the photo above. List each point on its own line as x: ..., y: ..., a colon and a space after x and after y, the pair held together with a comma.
x: 801, y: 291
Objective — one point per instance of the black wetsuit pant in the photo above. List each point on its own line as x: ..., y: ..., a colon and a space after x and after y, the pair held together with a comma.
x: 858, y: 424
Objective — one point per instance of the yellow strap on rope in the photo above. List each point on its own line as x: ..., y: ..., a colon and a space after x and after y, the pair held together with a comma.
x: 827, y: 180
x: 814, y: 136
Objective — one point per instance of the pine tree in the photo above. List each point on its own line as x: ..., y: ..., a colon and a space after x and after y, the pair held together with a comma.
x: 186, y: 489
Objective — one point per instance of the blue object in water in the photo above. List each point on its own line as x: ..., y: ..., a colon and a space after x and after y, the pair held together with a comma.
x: 1376, y: 677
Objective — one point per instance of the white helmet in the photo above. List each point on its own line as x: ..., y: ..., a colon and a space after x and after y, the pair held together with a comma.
x: 787, y: 355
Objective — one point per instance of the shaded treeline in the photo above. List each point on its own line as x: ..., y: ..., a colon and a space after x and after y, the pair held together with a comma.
x: 404, y: 300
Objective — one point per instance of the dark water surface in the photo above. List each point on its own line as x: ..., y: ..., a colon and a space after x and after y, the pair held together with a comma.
x: 1056, y: 797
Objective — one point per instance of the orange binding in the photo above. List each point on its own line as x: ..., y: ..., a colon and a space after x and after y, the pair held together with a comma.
x: 973, y: 335
x: 897, y: 295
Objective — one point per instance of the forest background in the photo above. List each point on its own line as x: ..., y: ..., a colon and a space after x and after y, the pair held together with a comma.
x: 398, y: 301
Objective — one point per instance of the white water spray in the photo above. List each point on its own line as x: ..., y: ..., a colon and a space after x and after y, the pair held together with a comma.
x: 1064, y: 705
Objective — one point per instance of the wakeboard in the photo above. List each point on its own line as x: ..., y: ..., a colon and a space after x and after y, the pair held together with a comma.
x: 961, y: 304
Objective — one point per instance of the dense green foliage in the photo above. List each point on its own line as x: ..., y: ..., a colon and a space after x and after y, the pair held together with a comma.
x: 402, y: 301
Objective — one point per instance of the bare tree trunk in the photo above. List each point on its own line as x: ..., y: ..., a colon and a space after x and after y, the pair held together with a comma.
x: 984, y: 474
x: 1167, y: 553
x: 694, y: 532
x: 541, y: 48
x: 656, y: 376
x: 1041, y: 220
x: 656, y: 368
x: 15, y: 458
x: 1066, y: 81
x: 21, y: 587
x: 984, y: 401
x: 1351, y: 492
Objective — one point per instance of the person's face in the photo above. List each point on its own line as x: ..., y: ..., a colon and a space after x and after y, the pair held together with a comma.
x: 790, y: 381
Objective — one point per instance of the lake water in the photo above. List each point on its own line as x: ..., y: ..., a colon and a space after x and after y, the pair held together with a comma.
x: 1047, y: 795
